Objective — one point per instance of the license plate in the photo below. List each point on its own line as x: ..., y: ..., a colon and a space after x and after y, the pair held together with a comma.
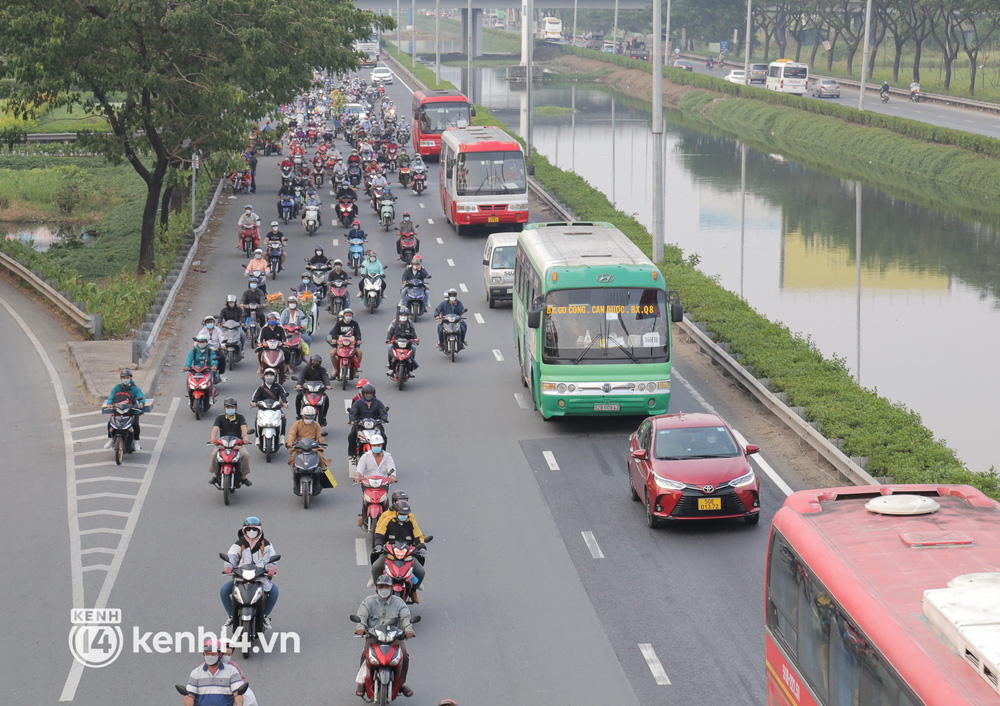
x: 493, y: 219
x: 709, y: 503
x: 607, y: 407
x: 510, y: 290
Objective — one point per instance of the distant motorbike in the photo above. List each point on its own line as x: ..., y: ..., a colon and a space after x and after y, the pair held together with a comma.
x: 249, y: 240
x: 408, y: 245
x: 386, y: 210
x: 232, y: 343
x: 228, y: 458
x: 356, y: 254
x: 287, y: 207
x: 293, y: 345
x: 413, y: 295
x: 451, y: 335
x: 915, y: 94
x: 272, y: 355
x: 344, y: 363
x: 201, y: 390
x: 122, y: 424
x: 884, y: 96
x: 337, y: 299
x: 312, y: 219
x: 373, y: 292
x: 347, y: 210
x: 268, y: 426
x: 399, y: 560
x: 401, y: 367
x: 404, y: 176
x: 419, y: 182
x: 313, y: 395
x: 375, y: 499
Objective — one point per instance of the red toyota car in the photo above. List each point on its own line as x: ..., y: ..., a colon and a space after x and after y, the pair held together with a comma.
x: 691, y: 467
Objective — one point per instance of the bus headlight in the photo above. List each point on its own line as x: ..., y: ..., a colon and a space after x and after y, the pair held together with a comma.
x: 548, y: 387
x: 427, y: 143
x: 517, y: 206
x: 663, y: 384
x: 561, y: 388
x: 466, y: 208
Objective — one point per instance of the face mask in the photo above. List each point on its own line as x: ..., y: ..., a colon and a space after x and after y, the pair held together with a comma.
x: 384, y: 592
x: 230, y: 411
x: 258, y: 256
x: 252, y: 533
x: 347, y: 319
x: 376, y: 449
x: 226, y: 659
x: 210, y: 326
x: 453, y: 299
x: 272, y: 323
x: 211, y: 660
x: 371, y: 259
x: 305, y: 281
x: 253, y: 285
x: 307, y: 420
x: 269, y: 379
x: 202, y: 346
x: 127, y: 382
x: 292, y: 305
x: 402, y: 518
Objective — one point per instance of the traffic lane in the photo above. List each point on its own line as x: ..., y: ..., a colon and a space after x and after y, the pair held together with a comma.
x: 38, y: 592
x: 704, y: 578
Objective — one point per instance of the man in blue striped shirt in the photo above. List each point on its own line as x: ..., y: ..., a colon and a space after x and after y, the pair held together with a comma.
x: 214, y: 682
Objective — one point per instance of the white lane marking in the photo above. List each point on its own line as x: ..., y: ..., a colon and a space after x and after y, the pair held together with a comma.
x: 649, y: 654
x: 694, y: 393
x: 83, y: 414
x: 361, y: 551
x: 347, y: 405
x: 551, y: 460
x: 431, y: 221
x: 89, y: 438
x: 521, y: 402
x: 91, y: 426
x: 595, y: 549
x: 98, y: 496
x: 498, y: 355
x: 102, y: 530
x: 83, y: 452
x: 336, y: 242
x: 451, y: 263
x: 96, y: 513
x: 765, y: 466
x: 109, y: 463
x: 98, y: 550
x: 422, y: 206
x: 402, y: 82
x: 101, y: 479
x: 463, y: 287
x: 440, y: 241
x: 479, y: 318
x: 93, y: 567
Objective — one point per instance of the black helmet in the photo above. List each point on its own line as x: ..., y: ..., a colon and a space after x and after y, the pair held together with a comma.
x: 399, y: 495
x: 229, y: 402
x: 402, y: 507
x: 368, y: 391
x: 126, y: 373
x: 383, y: 580
x: 315, y: 358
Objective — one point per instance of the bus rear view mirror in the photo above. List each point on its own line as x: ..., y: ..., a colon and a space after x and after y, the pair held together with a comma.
x: 535, y: 318
x: 472, y: 111
x: 531, y: 170
x: 676, y: 312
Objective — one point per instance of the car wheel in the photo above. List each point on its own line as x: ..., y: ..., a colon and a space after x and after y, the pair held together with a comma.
x: 631, y: 488
x: 752, y: 519
x: 651, y: 520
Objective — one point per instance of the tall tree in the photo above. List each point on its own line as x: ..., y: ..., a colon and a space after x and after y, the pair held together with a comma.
x: 171, y: 76
x: 943, y: 21
x: 977, y: 26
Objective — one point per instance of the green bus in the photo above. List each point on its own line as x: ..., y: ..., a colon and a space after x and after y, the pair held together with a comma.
x: 592, y: 321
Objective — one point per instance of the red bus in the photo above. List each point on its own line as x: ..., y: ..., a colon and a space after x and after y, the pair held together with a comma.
x: 483, y: 179
x: 884, y: 596
x: 434, y: 111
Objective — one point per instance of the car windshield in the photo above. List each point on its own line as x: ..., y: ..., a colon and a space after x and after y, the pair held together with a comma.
x: 491, y: 173
x: 694, y: 442
x: 437, y: 117
x: 606, y: 325
x: 503, y: 258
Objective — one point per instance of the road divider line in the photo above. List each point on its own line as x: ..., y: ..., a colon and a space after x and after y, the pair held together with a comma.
x: 498, y: 355
x: 96, y: 567
x: 649, y: 654
x: 98, y: 496
x: 98, y: 550
x: 95, y: 513
x: 592, y: 545
x: 479, y: 318
x: 451, y: 263
x: 102, y: 530
x: 440, y: 241
x: 336, y: 242
x: 431, y: 221
x: 461, y: 285
x: 361, y: 551
x: 765, y: 466
x: 551, y: 460
x: 83, y: 414
x: 347, y: 405
x: 101, y: 479
x: 421, y: 205
x: 521, y: 402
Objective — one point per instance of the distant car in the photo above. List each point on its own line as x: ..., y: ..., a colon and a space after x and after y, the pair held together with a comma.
x: 382, y: 74
x: 737, y: 76
x: 683, y: 64
x: 356, y: 109
x: 499, y: 24
x: 691, y: 467
x: 826, y: 87
x: 608, y: 48
x: 758, y: 73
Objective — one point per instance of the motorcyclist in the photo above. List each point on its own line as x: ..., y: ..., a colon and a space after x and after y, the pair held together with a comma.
x: 313, y: 200
x: 319, y: 258
x: 338, y: 272
x: 314, y: 372
x: 306, y: 286
x: 417, y: 271
x: 126, y: 387
x: 401, y: 327
x: 405, y: 228
x: 305, y: 428
x: 371, y: 266
x: 384, y: 608
x: 269, y: 332
x: 402, y: 159
x: 270, y: 389
x: 254, y: 295
x: 287, y: 189
x: 346, y: 326
x: 374, y: 462
x: 230, y: 423
x: 354, y: 158
x: 884, y: 90
x: 251, y: 547
x: 450, y: 305
x: 249, y: 219
x: 356, y: 231
x: 214, y: 335
x: 347, y: 191
x: 914, y: 87
x: 368, y: 407
x: 399, y: 524
x: 292, y: 316
x: 276, y: 236
x: 258, y: 267
x: 378, y: 180
x: 200, y: 354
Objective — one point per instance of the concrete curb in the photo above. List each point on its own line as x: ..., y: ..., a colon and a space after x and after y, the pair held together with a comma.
x: 90, y: 391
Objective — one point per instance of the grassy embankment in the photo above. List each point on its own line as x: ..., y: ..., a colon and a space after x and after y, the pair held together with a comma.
x: 893, y: 438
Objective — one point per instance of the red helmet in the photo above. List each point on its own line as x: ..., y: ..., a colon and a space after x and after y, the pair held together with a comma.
x: 361, y: 383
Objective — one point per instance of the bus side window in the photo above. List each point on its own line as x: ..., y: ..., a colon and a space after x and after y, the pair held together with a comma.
x: 782, y: 609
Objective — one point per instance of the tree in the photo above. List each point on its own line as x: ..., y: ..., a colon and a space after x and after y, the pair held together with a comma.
x: 171, y: 76
x: 942, y: 18
x: 977, y: 24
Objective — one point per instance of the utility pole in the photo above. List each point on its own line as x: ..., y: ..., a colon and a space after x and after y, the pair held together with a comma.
x: 614, y: 32
x: 468, y: 48
x: 749, y: 46
x: 528, y: 26
x: 657, y: 59
x: 864, y: 65
x: 437, y: 41
x: 397, y: 26
x: 413, y: 35
x: 575, y: 3
x: 195, y: 163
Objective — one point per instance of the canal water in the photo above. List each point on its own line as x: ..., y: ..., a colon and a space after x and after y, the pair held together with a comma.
x: 909, y: 301
x: 40, y: 237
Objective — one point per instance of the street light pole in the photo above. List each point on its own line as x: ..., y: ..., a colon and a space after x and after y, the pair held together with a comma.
x: 413, y: 33
x: 573, y: 40
x: 528, y: 24
x: 614, y: 32
x: 397, y: 26
x: 749, y: 45
x: 437, y: 42
x: 864, y: 66
x: 657, y: 58
x: 468, y: 48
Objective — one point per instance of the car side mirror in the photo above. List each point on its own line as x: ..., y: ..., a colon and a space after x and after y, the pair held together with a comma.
x: 752, y: 449
x: 639, y: 454
x: 485, y: 261
x: 535, y: 318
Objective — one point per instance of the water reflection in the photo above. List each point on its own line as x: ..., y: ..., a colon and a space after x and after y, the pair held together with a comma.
x: 40, y: 237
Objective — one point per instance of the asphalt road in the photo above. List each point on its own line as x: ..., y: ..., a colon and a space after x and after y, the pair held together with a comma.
x: 517, y: 608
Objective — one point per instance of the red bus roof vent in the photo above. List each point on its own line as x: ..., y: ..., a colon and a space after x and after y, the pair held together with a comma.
x: 904, y: 504
x: 967, y: 616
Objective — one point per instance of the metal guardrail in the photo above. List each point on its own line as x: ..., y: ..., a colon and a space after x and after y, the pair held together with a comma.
x: 149, y: 333
x: 88, y: 322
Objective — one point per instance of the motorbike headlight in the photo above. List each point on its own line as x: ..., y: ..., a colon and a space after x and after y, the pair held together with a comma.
x: 743, y: 480
x: 248, y: 574
x: 667, y: 484
x: 395, y: 660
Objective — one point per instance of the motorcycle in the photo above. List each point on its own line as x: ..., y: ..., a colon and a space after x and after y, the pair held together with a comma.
x: 375, y: 498
x: 376, y: 194
x: 307, y: 304
x: 408, y: 245
x: 915, y: 94
x: 346, y: 211
x: 307, y: 472
x: 286, y: 172
x: 228, y: 458
x: 414, y: 293
x: 386, y: 210
x: 383, y: 662
x: 344, y: 363
x: 274, y: 252
x: 268, y: 426
x: 710, y: 63
x: 122, y: 420
x: 373, y: 292
x: 884, y: 96
x: 272, y: 355
x: 390, y: 152
x: 318, y: 273
x: 404, y: 176
x: 201, y: 390
x: 287, y: 207
x: 248, y: 603
x: 312, y: 219
x: 356, y: 254
x: 293, y: 345
x: 311, y: 136
x: 354, y: 174
x: 313, y: 394
x: 249, y: 240
x: 337, y: 300
x: 419, y: 183
x: 451, y: 335
x: 232, y: 343
x: 252, y: 324
x: 401, y: 368
x: 240, y: 182
x: 399, y: 566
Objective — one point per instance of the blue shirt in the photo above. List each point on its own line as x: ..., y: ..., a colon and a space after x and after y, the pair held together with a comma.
x: 198, y: 358
x: 446, y: 307
x: 214, y: 689
x: 133, y: 391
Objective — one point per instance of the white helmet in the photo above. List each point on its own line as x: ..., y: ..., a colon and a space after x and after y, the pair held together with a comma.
x: 376, y: 439
x: 308, y: 411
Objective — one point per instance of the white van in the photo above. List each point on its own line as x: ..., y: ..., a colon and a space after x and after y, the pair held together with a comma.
x: 498, y: 267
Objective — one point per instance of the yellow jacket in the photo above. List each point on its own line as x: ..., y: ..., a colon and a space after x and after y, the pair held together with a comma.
x: 388, y: 516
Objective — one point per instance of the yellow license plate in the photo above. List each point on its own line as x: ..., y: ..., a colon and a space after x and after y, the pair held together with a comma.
x: 493, y: 219
x: 709, y: 503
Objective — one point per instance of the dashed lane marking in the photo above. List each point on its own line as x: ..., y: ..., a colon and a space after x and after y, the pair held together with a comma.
x: 361, y: 551
x: 462, y: 286
x: 498, y: 355
x: 431, y: 221
x: 649, y: 654
x: 592, y: 545
x: 451, y: 263
x: 479, y: 318
x: 551, y: 460
x: 440, y: 241
x: 765, y: 466
x: 521, y: 402
x: 421, y: 206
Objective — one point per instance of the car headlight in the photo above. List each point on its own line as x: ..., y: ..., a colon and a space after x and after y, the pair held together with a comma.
x: 668, y: 484
x: 747, y: 479
x: 466, y: 208
x: 496, y: 280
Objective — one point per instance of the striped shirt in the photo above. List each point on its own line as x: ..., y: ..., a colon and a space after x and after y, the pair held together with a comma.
x: 214, y: 689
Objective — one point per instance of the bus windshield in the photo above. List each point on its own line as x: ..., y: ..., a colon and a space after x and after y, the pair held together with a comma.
x: 435, y: 118
x: 606, y: 325
x: 491, y: 173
